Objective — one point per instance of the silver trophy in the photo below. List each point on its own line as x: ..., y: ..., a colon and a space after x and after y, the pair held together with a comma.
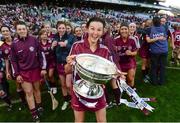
x: 94, y: 71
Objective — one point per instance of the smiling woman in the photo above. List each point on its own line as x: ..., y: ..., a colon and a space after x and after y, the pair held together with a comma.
x: 28, y: 64
x: 95, y: 27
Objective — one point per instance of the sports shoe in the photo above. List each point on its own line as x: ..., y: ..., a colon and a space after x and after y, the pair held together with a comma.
x: 36, y: 118
x: 64, y: 106
x: 54, y: 90
x: 40, y: 111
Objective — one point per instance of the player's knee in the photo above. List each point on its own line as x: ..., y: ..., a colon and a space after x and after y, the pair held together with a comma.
x: 36, y: 90
x: 29, y: 93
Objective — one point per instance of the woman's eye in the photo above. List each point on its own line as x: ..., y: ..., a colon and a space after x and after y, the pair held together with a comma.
x: 99, y: 30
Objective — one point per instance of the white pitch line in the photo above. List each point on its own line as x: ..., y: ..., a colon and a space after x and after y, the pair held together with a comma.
x: 175, y: 68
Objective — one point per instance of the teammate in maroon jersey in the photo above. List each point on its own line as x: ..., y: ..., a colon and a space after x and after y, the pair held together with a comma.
x: 133, y: 34
x: 4, y: 85
x: 175, y: 42
x: 28, y: 63
x: 176, y: 37
x: 6, y: 48
x: 46, y: 43
x: 127, y: 50
x: 144, y: 52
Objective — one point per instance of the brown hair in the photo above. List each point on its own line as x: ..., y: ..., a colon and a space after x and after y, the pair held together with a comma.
x: 69, y: 24
x: 76, y: 28
x: 59, y: 23
x: 20, y: 23
x: 95, y: 19
x: 42, y: 31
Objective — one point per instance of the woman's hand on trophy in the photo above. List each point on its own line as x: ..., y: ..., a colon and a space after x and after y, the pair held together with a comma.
x: 122, y: 74
x: 70, y: 59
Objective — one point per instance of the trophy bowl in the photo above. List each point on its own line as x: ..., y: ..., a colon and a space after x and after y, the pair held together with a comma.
x: 88, y: 89
x: 94, y: 68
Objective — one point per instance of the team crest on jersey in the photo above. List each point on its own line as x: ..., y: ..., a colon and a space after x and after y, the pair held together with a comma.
x: 31, y: 49
x: 6, y: 51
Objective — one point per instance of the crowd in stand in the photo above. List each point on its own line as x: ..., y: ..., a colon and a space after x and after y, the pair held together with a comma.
x: 42, y: 40
x: 35, y: 15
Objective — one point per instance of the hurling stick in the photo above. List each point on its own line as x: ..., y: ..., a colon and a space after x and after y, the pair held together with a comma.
x: 54, y: 101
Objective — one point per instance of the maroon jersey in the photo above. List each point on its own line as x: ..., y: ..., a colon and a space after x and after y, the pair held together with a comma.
x: 136, y: 39
x: 5, y: 48
x: 176, y: 36
x: 26, y: 54
x: 49, y: 53
x: 51, y: 37
x: 121, y: 48
x: 144, y: 49
x: 83, y: 47
x: 125, y: 61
